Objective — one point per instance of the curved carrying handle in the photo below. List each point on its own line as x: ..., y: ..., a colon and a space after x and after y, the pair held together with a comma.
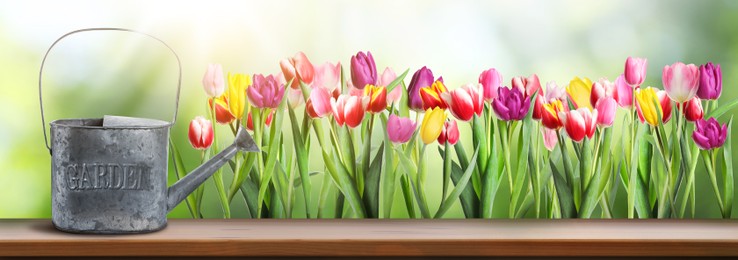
x: 40, y: 72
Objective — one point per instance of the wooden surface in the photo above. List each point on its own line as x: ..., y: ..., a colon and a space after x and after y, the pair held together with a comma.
x: 385, y: 238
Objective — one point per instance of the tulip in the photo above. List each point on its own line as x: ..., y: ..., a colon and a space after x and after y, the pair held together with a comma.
x: 648, y: 110
x: 237, y: 85
x: 213, y: 82
x: 550, y: 114
x: 449, y: 133
x: 681, y: 81
x: 510, y: 104
x: 711, y: 82
x: 623, y: 93
x: 433, y: 122
x: 528, y: 86
x: 550, y: 138
x: 491, y: 81
x: 297, y: 69
x: 693, y: 109
x: 400, y: 129
x: 327, y: 76
x: 393, y: 97
x: 222, y: 112
x: 377, y: 98
x: 319, y: 103
x: 201, y: 133
x: 265, y: 92
x: 553, y: 92
x: 635, y: 71
x: 579, y: 123
x: 250, y: 122
x: 600, y: 89
x: 431, y: 95
x: 294, y: 97
x: 606, y: 108
x: 421, y: 79
x: 537, y: 107
x: 349, y: 110
x: 709, y: 134
x: 579, y: 91
x: 363, y: 70
x: 464, y: 102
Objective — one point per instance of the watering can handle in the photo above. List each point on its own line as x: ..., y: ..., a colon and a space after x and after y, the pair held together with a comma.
x: 40, y: 72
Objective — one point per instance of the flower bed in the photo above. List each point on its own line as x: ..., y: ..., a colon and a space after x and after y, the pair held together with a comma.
x: 560, y: 151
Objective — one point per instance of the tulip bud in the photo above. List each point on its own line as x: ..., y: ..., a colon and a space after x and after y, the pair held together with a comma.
x: 692, y: 109
x: 681, y: 81
x: 449, y: 133
x: 527, y: 86
x: 491, y: 81
x: 421, y: 79
x: 635, y: 71
x: 623, y: 93
x: 363, y: 70
x: 400, y: 129
x: 222, y: 113
x: 464, y: 102
x: 297, y: 69
x: 433, y: 122
x: 213, y: 82
x: 711, y: 82
x: 201, y: 133
x: 250, y: 122
x: 349, y: 110
x: 377, y: 98
x: 579, y: 123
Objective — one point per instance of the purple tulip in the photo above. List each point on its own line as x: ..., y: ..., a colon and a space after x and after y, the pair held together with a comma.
x: 709, y: 134
x: 363, y: 70
x: 711, y: 81
x: 510, y: 104
x: 422, y: 78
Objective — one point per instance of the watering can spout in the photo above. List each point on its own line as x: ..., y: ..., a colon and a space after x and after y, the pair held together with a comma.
x: 182, y: 188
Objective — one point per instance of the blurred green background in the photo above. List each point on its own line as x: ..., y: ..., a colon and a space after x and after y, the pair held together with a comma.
x: 114, y: 73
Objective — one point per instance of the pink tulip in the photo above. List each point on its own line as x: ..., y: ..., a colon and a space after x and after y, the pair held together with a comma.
x: 394, y: 96
x: 213, y: 82
x: 491, y: 81
x: 681, y: 81
x: 635, y: 71
x: 606, y: 108
x: 600, y: 89
x: 579, y: 123
x: 449, y: 133
x: 327, y: 76
x: 319, y: 103
x: 297, y: 69
x: 400, y: 129
x: 349, y: 110
x: 554, y: 91
x: 265, y: 92
x: 692, y: 109
x: 294, y: 97
x: 201, y: 133
x: 623, y: 93
x: 528, y: 85
x: 464, y: 102
x: 550, y: 138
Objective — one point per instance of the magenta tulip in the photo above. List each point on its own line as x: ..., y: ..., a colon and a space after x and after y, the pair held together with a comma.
x: 510, y: 104
x: 635, y: 71
x: 491, y: 81
x: 681, y: 81
x: 709, y: 134
x: 363, y: 70
x: 265, y: 92
x: 400, y: 129
x: 711, y: 82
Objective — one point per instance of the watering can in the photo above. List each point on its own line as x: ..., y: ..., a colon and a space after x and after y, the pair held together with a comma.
x: 109, y: 175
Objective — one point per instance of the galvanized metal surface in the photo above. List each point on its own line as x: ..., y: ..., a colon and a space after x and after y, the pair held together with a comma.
x: 109, y: 175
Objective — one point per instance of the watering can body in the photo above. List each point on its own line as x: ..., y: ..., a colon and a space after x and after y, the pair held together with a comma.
x: 109, y: 175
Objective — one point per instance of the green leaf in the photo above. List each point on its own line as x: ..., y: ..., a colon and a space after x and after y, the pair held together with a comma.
x: 181, y: 171
x: 397, y: 81
x: 728, y: 184
x: 563, y: 190
x: 407, y: 194
x: 723, y: 109
x: 250, y: 192
x: 371, y: 188
x: 458, y: 189
x: 469, y: 200
x: 301, y: 155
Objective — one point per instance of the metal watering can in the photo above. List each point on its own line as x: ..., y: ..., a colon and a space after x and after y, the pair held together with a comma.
x: 109, y: 175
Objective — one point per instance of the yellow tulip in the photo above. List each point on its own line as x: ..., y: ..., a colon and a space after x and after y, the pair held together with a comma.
x: 432, y: 124
x: 579, y: 90
x: 649, y: 107
x: 236, y: 94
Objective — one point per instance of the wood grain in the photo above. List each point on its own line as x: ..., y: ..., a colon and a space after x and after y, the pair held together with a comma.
x: 271, y: 237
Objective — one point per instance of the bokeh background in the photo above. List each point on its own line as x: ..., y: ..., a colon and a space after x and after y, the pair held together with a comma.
x: 99, y: 73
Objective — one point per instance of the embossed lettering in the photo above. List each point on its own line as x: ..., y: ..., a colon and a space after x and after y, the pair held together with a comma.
x: 114, y: 176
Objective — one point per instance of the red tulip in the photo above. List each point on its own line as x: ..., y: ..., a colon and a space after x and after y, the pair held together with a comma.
x: 349, y: 110
x: 223, y: 115
x: 449, y: 133
x: 377, y: 98
x: 464, y: 102
x: 693, y: 109
x: 431, y: 95
x: 550, y: 114
x: 201, y: 133
x: 665, y: 106
x: 579, y: 123
x: 250, y: 122
x: 297, y: 69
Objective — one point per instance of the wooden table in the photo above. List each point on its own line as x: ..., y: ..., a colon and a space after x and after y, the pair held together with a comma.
x: 239, y: 237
